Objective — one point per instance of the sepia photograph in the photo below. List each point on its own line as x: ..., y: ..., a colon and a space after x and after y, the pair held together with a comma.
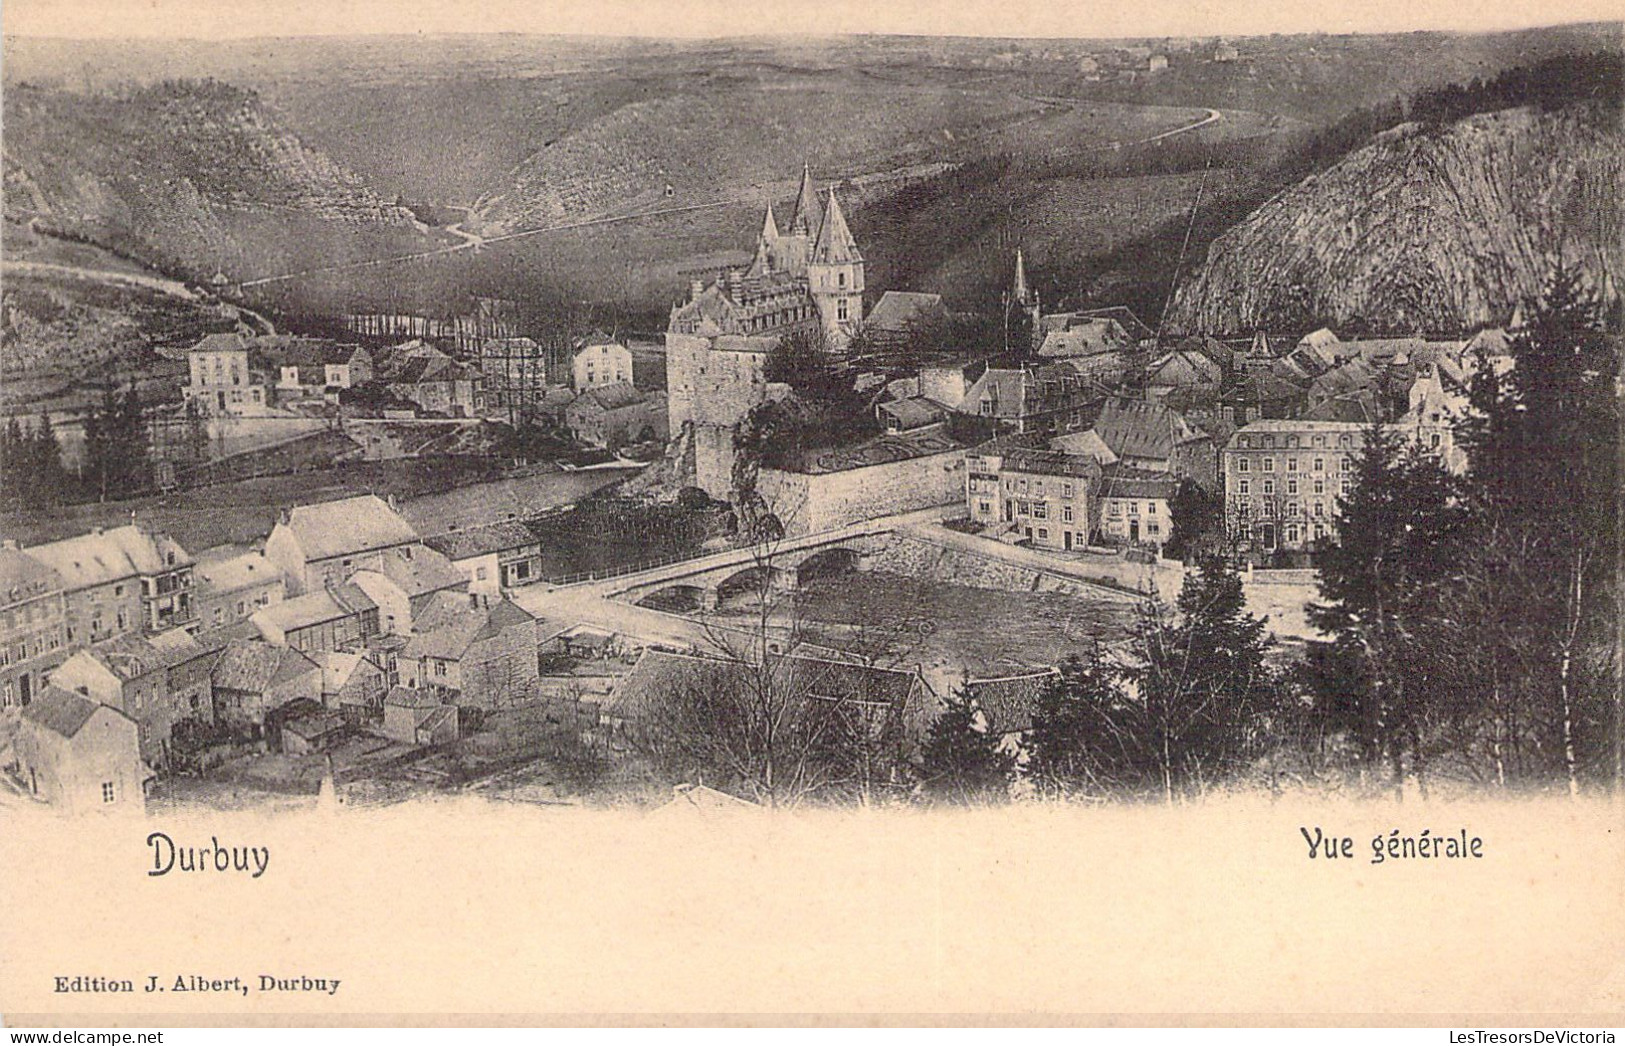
x: 962, y: 511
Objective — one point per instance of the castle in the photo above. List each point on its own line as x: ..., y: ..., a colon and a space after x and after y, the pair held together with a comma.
x: 805, y: 279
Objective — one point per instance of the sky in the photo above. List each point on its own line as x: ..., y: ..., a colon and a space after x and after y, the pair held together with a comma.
x: 224, y: 19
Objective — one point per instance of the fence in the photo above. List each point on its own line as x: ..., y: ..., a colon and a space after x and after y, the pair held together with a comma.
x: 623, y: 570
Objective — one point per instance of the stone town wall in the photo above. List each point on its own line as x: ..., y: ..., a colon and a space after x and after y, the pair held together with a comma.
x: 915, y: 557
x: 807, y: 503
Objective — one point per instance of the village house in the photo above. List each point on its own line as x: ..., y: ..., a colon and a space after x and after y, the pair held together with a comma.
x: 417, y: 717
x: 312, y: 732
x: 314, y: 368
x: 1181, y: 368
x: 1135, y: 506
x: 473, y: 651
x: 130, y: 674
x: 352, y: 685
x: 187, y: 665
x: 493, y: 559
x: 517, y: 374
x: 600, y: 360
x: 432, y: 380
x: 33, y: 625
x: 79, y: 754
x: 231, y: 585
x: 910, y: 414
x: 253, y: 678
x: 323, y: 544
x: 1084, y: 336
x: 1047, y: 398
x: 220, y: 380
x: 1146, y: 434
x: 615, y: 415
x: 405, y: 582
x: 122, y: 580
x: 342, y: 617
x: 902, y: 317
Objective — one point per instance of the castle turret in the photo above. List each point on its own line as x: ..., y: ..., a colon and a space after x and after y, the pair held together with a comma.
x: 835, y: 276
x: 809, y: 217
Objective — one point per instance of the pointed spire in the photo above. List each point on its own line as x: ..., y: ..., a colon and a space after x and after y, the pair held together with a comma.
x: 1019, y: 291
x: 808, y: 220
x: 770, y: 226
x: 835, y: 245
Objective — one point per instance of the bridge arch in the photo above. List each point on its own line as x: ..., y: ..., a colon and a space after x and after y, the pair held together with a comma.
x: 828, y: 562
x: 676, y: 598
x: 756, y: 579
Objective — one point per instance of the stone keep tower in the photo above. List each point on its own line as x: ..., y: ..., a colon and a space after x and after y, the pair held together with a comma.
x: 835, y: 276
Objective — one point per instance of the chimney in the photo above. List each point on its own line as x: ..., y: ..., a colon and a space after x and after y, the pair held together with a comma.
x: 696, y: 287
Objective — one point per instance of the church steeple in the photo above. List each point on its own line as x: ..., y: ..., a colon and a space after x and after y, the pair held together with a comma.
x: 1020, y: 293
x: 808, y: 219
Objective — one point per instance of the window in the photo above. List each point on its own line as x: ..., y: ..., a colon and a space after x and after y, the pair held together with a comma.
x: 1292, y: 486
x: 1134, y: 508
x: 1434, y: 440
x: 1269, y: 464
x: 1151, y: 508
x: 1320, y: 464
x: 1292, y: 464
x: 1292, y: 532
x: 479, y: 573
x: 1269, y: 486
x: 1320, y: 441
x: 118, y: 590
x: 1343, y: 485
x: 1320, y: 485
x: 108, y: 794
x: 840, y: 308
x: 1343, y: 440
x: 1040, y: 510
x: 1043, y: 534
x: 1114, y: 508
x: 1152, y: 528
x: 1066, y: 491
x: 1244, y: 441
x: 1244, y: 465
x: 1320, y: 508
x: 840, y: 279
x: 1244, y: 487
x: 1066, y: 513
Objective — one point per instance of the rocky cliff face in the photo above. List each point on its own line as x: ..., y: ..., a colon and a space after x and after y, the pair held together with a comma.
x: 1425, y: 229
x: 195, y: 176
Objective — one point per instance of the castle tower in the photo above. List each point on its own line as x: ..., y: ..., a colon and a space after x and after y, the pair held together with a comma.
x: 767, y: 244
x: 809, y: 217
x: 835, y: 276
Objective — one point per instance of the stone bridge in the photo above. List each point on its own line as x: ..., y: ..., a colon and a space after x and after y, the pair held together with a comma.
x: 700, y: 584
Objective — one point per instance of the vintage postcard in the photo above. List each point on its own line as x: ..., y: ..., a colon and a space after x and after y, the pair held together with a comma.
x: 944, y: 513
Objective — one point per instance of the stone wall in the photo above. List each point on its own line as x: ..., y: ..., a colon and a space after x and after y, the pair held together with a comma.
x: 915, y: 557
x: 808, y: 503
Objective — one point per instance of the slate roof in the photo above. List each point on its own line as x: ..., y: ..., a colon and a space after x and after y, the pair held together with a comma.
x: 1050, y: 463
x: 613, y: 396
x: 97, y: 559
x: 315, y: 608
x: 407, y: 697
x: 1144, y: 429
x: 315, y: 726
x: 129, y: 656
x: 834, y: 245
x: 1120, y: 481
x: 19, y: 572
x: 1168, y: 366
x: 253, y: 665
x: 914, y: 412
x: 1125, y: 317
x: 340, y: 528
x: 176, y: 646
x: 483, y: 541
x: 897, y: 311
x: 230, y: 342
x: 423, y: 572
x: 61, y: 711
x: 452, y: 623
x: 245, y: 570
x: 1086, y: 339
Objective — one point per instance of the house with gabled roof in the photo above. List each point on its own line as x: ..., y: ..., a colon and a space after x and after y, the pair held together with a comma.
x: 126, y: 579
x: 1146, y: 434
x: 473, y: 651
x: 131, y: 674
x: 341, y: 617
x: 599, y: 360
x: 404, y: 583
x: 419, y: 717
x: 616, y: 414
x: 252, y: 678
x: 79, y: 754
x: 324, y: 544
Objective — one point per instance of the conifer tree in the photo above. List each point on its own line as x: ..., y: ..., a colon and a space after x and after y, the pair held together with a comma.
x: 961, y: 760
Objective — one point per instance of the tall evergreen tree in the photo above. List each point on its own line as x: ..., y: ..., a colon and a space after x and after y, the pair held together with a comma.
x: 961, y: 760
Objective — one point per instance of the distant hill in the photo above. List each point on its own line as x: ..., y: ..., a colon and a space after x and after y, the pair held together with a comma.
x: 1430, y: 228
x: 193, y: 176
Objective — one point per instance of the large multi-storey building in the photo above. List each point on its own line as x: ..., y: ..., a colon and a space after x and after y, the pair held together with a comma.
x: 1050, y: 497
x: 221, y: 382
x: 33, y: 625
x: 122, y: 580
x: 1282, y: 480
